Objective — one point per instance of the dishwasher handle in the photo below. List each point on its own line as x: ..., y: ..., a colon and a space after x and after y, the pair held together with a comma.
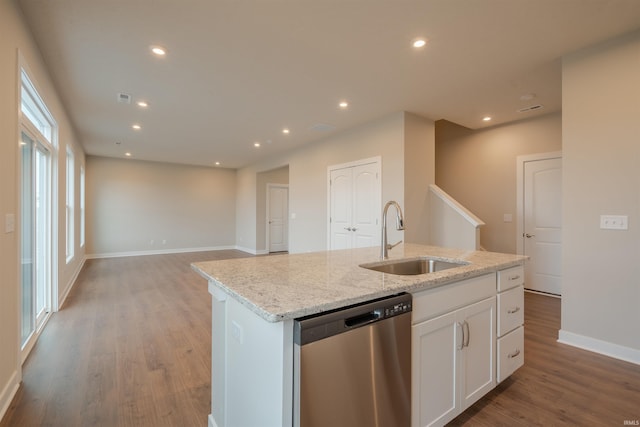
x: 363, y: 318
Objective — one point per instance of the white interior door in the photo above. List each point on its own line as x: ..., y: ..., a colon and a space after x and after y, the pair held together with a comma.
x: 340, y: 188
x: 542, y: 231
x: 277, y: 218
x: 354, y: 205
x: 366, y: 206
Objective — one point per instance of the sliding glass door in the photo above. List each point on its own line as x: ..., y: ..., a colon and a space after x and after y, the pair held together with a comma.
x: 35, y: 247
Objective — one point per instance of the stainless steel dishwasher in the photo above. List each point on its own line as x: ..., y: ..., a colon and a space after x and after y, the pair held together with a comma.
x: 352, y: 367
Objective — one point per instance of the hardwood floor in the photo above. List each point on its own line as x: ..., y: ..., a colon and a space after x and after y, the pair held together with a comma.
x: 132, y: 347
x: 558, y: 385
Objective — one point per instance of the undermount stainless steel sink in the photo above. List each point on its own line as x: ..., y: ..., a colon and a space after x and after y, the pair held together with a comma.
x: 413, y: 266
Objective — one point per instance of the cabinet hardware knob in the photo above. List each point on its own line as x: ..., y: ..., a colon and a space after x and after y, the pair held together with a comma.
x: 514, y: 354
x: 513, y: 310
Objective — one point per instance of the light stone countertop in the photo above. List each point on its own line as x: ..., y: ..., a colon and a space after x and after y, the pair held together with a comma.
x: 282, y: 287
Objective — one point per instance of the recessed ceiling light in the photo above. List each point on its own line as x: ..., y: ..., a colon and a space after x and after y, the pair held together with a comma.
x: 136, y: 127
x: 418, y: 43
x: 217, y: 163
x: 143, y: 104
x: 486, y: 119
x: 256, y: 144
x: 158, y: 50
x: 127, y: 154
x: 343, y: 104
x: 285, y: 131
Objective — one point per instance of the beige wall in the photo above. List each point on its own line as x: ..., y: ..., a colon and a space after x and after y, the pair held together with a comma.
x: 308, y: 180
x: 419, y: 173
x: 141, y: 207
x: 478, y: 169
x: 404, y: 142
x: 275, y: 176
x: 16, y: 37
x: 601, y: 175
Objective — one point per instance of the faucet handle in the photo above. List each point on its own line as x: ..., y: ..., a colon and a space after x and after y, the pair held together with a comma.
x: 390, y: 246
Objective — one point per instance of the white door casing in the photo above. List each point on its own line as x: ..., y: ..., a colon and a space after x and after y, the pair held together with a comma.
x: 540, y: 221
x: 354, y: 204
x: 277, y: 217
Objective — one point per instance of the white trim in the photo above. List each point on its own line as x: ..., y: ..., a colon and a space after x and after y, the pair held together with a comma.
x: 250, y: 250
x: 616, y: 351
x: 8, y: 393
x: 166, y: 251
x: 451, y: 202
x: 520, y: 161
x: 211, y: 422
x: 71, y: 283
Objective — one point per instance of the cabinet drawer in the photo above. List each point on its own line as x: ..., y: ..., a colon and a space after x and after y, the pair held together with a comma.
x: 511, y: 277
x: 430, y: 303
x: 510, y: 310
x: 510, y: 353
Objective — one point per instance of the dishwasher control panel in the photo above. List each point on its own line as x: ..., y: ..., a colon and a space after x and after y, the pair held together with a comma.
x: 324, y: 325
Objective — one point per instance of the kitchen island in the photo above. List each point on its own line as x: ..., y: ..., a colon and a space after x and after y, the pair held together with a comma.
x: 255, y: 300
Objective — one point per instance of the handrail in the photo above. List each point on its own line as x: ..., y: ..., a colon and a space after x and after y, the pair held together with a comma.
x: 453, y: 203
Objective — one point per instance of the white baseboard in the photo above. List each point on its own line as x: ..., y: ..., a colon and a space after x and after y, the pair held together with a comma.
x: 252, y: 251
x: 212, y: 422
x: 160, y: 252
x: 9, y: 391
x: 598, y: 346
x: 63, y: 298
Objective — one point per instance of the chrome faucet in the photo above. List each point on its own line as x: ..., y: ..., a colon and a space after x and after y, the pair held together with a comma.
x: 384, y: 250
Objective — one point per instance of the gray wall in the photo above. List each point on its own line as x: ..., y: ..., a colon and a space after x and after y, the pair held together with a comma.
x: 137, y: 207
x: 601, y: 175
x: 478, y: 169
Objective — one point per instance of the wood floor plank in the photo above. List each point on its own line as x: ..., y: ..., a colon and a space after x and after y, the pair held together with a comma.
x: 132, y: 347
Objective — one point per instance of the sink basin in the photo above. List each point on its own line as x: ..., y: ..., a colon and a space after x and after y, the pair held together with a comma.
x: 413, y: 266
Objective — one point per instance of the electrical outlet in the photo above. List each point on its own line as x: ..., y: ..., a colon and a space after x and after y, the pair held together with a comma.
x: 614, y: 222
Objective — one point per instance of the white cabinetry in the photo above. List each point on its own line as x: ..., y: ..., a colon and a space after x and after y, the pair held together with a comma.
x: 510, y: 327
x: 453, y: 355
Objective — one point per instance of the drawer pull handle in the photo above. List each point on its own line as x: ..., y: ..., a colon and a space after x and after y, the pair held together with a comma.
x: 514, y: 354
x: 516, y: 277
x: 513, y: 310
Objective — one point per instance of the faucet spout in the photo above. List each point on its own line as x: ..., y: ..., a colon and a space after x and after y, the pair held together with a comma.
x: 384, y: 250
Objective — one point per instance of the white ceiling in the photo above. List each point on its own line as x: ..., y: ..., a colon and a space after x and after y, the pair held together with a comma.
x: 239, y: 71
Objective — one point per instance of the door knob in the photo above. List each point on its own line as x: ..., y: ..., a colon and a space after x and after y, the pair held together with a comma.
x: 529, y: 235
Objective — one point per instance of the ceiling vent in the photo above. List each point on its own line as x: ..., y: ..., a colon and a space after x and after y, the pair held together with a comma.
x: 322, y: 127
x: 124, y: 98
x: 530, y: 108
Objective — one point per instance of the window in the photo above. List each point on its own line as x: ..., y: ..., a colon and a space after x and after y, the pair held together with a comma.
x: 81, y: 206
x: 69, y: 210
x: 37, y: 172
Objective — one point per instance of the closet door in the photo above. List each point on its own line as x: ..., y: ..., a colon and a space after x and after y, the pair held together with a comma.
x: 355, y: 206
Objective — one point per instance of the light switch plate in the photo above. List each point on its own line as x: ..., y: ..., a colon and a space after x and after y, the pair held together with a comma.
x: 614, y: 222
x: 9, y: 223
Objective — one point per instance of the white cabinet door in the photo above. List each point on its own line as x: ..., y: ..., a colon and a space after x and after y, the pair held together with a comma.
x: 434, y: 371
x: 478, y: 356
x: 453, y: 360
x: 354, y: 211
